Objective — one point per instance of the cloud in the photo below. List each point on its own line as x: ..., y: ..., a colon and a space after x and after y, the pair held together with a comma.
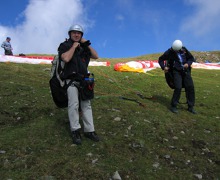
x: 203, y: 19
x: 45, y: 25
x: 119, y: 17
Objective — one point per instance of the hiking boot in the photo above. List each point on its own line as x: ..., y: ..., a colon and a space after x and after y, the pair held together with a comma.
x: 174, y: 109
x: 190, y: 109
x: 92, y: 135
x: 76, y: 137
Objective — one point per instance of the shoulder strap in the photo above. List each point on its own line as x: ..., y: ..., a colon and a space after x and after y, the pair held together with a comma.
x: 62, y: 83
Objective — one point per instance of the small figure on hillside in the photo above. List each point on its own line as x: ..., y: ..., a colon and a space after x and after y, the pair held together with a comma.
x: 7, y: 46
x: 177, y: 61
x: 76, y: 53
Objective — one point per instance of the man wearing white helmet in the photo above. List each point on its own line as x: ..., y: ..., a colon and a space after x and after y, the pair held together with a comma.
x: 76, y: 53
x: 176, y: 62
x: 7, y: 46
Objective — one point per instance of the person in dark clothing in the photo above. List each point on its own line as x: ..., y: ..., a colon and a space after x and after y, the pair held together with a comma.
x: 177, y: 61
x: 76, y: 52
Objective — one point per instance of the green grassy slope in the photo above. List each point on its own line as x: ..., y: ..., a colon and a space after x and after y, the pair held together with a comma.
x: 140, y: 139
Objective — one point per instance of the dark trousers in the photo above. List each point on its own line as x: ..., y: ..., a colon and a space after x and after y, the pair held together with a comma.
x: 8, y: 52
x: 182, y: 78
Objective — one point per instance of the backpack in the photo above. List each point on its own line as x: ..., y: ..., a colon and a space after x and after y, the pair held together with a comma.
x: 169, y: 79
x: 58, y: 86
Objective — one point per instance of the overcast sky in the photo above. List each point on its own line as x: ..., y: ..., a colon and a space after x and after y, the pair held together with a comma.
x: 116, y: 28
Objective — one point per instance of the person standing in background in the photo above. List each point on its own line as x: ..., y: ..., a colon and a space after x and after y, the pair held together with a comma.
x: 7, y: 46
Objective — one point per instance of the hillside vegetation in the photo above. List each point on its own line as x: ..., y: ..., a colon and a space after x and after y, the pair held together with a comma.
x: 200, y: 56
x: 140, y: 138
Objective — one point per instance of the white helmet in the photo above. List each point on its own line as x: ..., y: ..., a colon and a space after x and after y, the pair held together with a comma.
x: 75, y: 27
x: 177, y: 45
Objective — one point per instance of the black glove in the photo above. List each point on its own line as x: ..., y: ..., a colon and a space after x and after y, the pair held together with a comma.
x: 85, y: 44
